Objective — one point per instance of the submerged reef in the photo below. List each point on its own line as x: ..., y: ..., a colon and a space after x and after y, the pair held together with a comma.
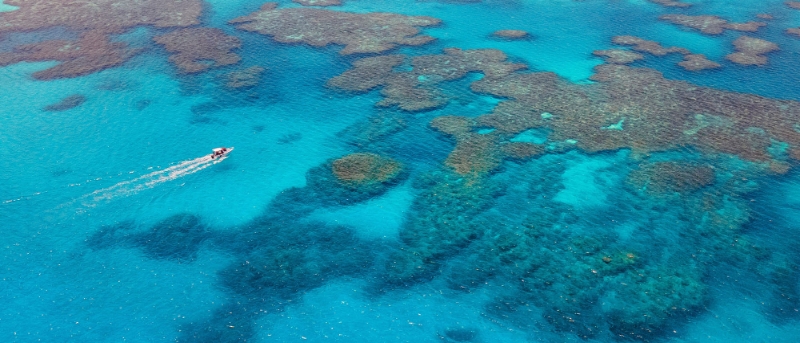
x: 365, y: 169
x: 67, y: 103
x: 358, y: 32
x: 663, y: 177
x: 339, y: 182
x: 618, y: 56
x: 415, y: 90
x: 106, y: 16
x: 671, y: 3
x: 511, y: 34
x: 691, y: 62
x: 197, y: 49
x: 243, y: 79
x: 177, y: 238
x: 639, y: 109
x: 443, y: 219
x: 710, y: 24
x: 92, y: 52
x: 750, y: 51
x: 318, y: 2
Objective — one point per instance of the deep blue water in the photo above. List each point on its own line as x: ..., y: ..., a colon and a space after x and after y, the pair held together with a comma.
x: 100, y: 244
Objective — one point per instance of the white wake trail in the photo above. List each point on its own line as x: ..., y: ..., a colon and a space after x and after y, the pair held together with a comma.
x: 147, y: 181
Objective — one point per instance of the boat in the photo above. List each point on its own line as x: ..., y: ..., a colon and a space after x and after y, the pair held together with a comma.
x: 218, y: 153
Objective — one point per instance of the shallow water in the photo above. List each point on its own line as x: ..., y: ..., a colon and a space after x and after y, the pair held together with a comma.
x: 117, y: 226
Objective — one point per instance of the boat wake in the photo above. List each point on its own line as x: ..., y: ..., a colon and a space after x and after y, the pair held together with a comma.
x: 150, y: 180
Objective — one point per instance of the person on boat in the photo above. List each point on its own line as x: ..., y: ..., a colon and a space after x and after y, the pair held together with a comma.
x: 218, y: 152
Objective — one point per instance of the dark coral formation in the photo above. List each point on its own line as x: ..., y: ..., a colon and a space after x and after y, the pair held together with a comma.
x: 479, y: 153
x: 196, y: 49
x: 96, y: 20
x: 670, y: 177
x: 511, y: 34
x: 339, y: 182
x: 691, y: 62
x: 415, y: 90
x: 67, y: 103
x: 444, y: 220
x: 638, y: 109
x: 318, y: 2
x: 618, y: 56
x: 671, y: 3
x: 246, y: 78
x: 710, y: 24
x: 750, y: 51
x: 365, y: 169
x: 358, y: 32
x: 697, y: 62
x: 177, y: 238
x: 107, y: 16
x: 793, y: 4
x: 648, y: 46
x: 92, y: 52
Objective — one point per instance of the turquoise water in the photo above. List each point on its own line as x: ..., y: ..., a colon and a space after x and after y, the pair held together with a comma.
x: 103, y: 242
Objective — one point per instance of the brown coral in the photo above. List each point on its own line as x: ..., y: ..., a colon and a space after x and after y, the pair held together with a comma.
x: 697, y: 62
x: 358, y: 32
x: 92, y: 52
x: 693, y: 62
x: 750, y: 51
x: 637, y: 108
x: 670, y: 177
x: 793, y: 4
x: 244, y: 78
x: 415, y: 90
x: 710, y: 24
x: 648, y: 46
x: 109, y: 16
x: 318, y: 2
x: 197, y: 49
x: 671, y: 3
x: 511, y: 34
x: 619, y: 56
x: 363, y: 169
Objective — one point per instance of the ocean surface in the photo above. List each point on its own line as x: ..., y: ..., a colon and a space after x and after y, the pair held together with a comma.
x: 116, y: 225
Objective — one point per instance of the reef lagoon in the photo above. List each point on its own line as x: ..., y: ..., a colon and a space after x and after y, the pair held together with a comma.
x: 403, y: 171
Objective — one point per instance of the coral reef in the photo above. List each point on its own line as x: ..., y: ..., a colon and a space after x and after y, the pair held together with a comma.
x: 618, y: 56
x: 197, y: 49
x: 691, y: 62
x: 710, y: 24
x: 92, y: 52
x: 648, y: 46
x: 511, y: 34
x: 358, y: 32
x: 177, y: 238
x: 106, y: 16
x: 415, y: 90
x: 669, y: 177
x: 697, y: 62
x: 750, y: 51
x: 671, y: 3
x: 344, y: 181
x: 299, y: 258
x: 793, y: 4
x: 637, y: 108
x: 246, y: 78
x: 318, y: 2
x: 365, y: 169
x: 443, y: 219
x: 67, y: 103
